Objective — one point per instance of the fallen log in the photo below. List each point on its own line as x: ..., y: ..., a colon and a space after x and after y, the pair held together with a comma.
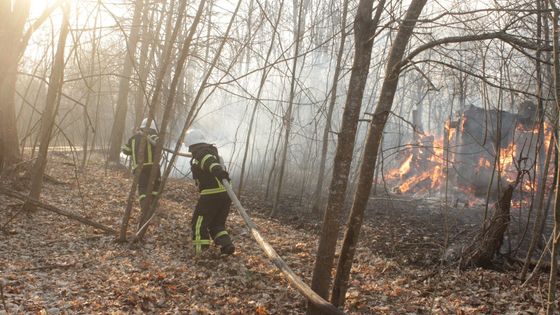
x: 41, y: 205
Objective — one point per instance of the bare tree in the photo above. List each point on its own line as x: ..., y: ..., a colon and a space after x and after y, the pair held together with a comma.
x: 369, y: 157
x: 298, y: 33
x: 170, y: 103
x: 50, y: 112
x: 13, y: 40
x: 365, y: 26
x: 172, y: 31
x: 265, y: 72
x: 317, y: 196
x: 124, y: 86
x: 551, y: 301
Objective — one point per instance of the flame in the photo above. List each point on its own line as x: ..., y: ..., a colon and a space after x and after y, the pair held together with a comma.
x: 403, y: 169
x: 422, y: 170
x: 450, y: 131
x: 406, y: 166
x: 463, y: 123
x: 438, y: 150
x: 507, y: 155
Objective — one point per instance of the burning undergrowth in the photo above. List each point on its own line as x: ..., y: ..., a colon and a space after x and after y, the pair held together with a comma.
x: 473, y: 159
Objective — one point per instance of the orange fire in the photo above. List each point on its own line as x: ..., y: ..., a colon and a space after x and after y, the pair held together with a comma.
x: 423, y: 170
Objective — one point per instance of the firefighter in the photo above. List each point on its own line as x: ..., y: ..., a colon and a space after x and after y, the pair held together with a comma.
x: 209, y: 217
x: 132, y: 148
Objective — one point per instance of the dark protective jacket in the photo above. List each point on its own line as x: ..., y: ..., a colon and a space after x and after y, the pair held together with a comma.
x: 205, y: 164
x: 132, y: 147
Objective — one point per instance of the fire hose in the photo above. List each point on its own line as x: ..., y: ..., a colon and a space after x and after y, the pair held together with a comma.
x: 293, y: 279
x: 274, y: 258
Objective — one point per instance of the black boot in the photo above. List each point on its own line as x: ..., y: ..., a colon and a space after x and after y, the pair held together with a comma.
x: 225, y: 243
x: 227, y: 249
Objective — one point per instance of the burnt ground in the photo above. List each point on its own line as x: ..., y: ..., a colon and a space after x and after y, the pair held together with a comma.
x: 51, y: 264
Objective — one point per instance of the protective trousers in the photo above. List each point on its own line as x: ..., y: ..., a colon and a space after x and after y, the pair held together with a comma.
x: 208, y: 222
x: 143, y: 191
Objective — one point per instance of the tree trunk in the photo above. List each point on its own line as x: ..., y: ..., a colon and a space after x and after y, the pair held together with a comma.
x: 145, y: 63
x: 197, y: 104
x: 317, y: 195
x: 539, y: 219
x: 288, y: 115
x: 172, y: 30
x: 90, y: 89
x: 364, y: 29
x: 119, y: 123
x: 270, y: 176
x: 369, y: 158
x: 551, y: 301
x: 12, y: 22
x: 264, y: 75
x: 49, y: 114
x: 166, y: 116
x: 485, y: 246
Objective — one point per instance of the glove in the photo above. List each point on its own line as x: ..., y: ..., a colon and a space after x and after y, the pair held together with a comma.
x: 221, y: 174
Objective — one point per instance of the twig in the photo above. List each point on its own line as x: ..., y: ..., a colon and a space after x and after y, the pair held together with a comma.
x: 2, y: 294
x: 537, y: 265
x: 54, y: 180
x: 3, y: 227
x: 46, y: 267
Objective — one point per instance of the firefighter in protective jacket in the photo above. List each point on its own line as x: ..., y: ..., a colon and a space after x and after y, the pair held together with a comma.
x: 132, y: 148
x: 212, y: 209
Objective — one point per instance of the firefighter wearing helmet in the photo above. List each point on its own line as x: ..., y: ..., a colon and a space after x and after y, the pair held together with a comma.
x: 132, y: 148
x: 210, y: 215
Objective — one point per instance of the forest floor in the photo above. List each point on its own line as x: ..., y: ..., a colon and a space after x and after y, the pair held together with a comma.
x: 52, y: 265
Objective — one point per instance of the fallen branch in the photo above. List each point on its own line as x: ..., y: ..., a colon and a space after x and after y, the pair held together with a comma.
x: 2, y: 294
x: 539, y: 263
x: 54, y: 180
x: 54, y: 209
x: 324, y: 306
x: 3, y: 227
x: 48, y: 267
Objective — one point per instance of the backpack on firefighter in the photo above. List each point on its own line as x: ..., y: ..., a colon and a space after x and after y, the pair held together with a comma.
x: 212, y: 209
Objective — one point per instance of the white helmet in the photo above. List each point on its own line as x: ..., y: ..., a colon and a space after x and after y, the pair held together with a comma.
x: 194, y: 136
x: 144, y: 124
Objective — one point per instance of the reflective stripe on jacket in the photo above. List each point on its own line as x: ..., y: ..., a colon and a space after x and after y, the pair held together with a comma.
x: 205, y: 161
x: 132, y: 148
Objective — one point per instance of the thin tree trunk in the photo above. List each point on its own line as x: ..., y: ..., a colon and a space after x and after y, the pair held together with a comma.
x: 364, y: 30
x: 266, y: 71
x: 317, y: 195
x: 539, y: 222
x: 273, y: 166
x: 12, y: 22
x: 369, y: 158
x: 145, y: 63
x: 172, y: 30
x: 166, y: 116
x: 551, y: 301
x: 195, y: 107
x: 119, y: 123
x: 288, y: 115
x: 90, y: 89
x: 68, y: 214
x: 542, y: 25
x: 49, y: 114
